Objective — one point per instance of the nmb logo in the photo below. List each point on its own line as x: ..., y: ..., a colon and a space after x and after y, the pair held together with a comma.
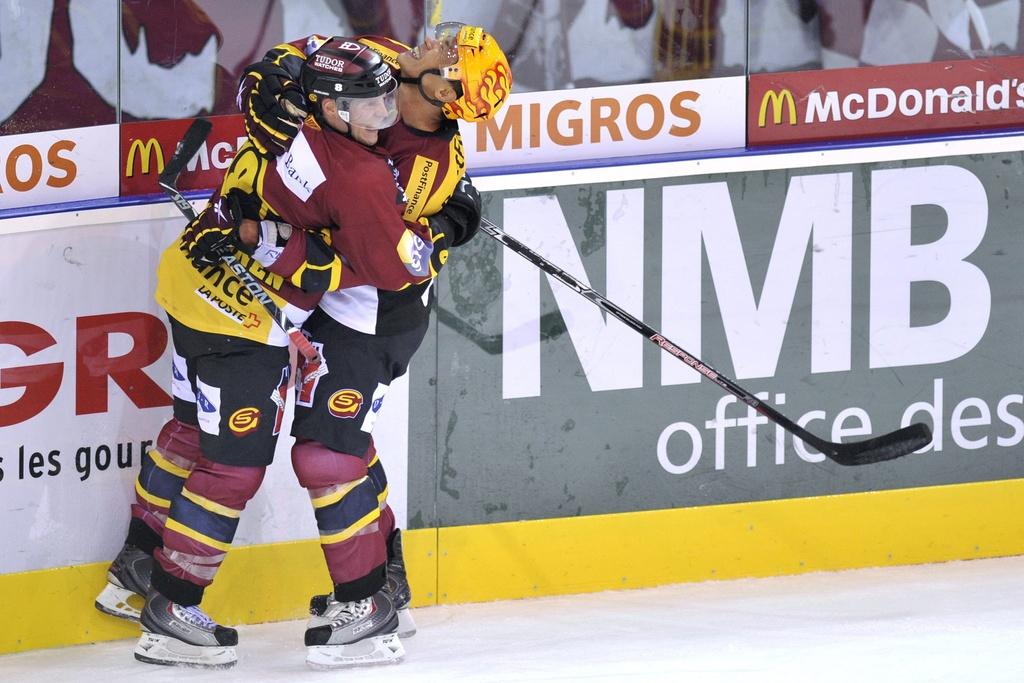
x: 701, y: 248
x: 779, y: 101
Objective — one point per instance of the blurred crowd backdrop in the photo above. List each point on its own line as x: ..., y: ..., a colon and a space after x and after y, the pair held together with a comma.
x: 73, y: 63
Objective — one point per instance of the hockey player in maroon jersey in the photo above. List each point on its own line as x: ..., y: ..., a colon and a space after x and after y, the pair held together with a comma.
x: 367, y: 335
x: 232, y: 367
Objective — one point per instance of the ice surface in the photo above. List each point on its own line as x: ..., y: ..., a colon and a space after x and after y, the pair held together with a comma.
x: 958, y: 621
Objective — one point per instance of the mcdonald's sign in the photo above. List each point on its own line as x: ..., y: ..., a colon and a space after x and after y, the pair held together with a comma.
x: 144, y: 149
x: 779, y: 100
x: 903, y: 100
x: 147, y: 145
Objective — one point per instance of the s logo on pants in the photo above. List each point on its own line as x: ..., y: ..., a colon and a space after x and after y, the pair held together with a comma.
x: 244, y: 420
x: 345, y: 403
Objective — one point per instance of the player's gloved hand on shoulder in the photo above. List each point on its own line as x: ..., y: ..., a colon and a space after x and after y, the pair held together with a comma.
x: 320, y: 270
x: 304, y: 257
x: 215, y: 231
x: 273, y: 106
x: 464, y: 210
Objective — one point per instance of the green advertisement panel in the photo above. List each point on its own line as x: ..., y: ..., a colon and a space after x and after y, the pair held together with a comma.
x: 856, y: 299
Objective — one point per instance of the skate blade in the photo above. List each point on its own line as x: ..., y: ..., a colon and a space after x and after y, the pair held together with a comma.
x: 383, y: 649
x: 406, y: 624
x: 156, y: 649
x: 118, y: 602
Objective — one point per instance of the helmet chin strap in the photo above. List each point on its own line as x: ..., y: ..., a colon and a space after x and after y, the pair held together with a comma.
x: 418, y: 81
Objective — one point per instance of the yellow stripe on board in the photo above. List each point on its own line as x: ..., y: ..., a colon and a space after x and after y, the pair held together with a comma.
x: 770, y: 538
x: 570, y: 555
x: 285, y: 574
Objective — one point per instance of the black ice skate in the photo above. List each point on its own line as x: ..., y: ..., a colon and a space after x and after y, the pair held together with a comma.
x: 183, y: 636
x: 397, y: 586
x: 127, y: 584
x: 347, y: 634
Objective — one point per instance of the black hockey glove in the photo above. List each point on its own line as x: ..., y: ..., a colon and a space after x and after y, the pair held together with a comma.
x: 214, y: 232
x: 273, y: 106
x: 464, y: 210
x: 321, y: 269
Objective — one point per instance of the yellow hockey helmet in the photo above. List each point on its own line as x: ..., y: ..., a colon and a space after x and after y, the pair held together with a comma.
x: 480, y: 66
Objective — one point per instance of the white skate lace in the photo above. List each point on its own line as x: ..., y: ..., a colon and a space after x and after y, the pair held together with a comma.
x: 195, y: 617
x: 351, y: 611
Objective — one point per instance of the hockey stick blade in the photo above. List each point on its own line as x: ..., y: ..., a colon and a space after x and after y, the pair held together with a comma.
x: 184, y: 151
x: 878, y: 449
x: 168, y: 180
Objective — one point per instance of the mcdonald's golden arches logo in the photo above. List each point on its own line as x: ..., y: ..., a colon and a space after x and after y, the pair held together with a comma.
x: 778, y: 100
x: 147, y: 148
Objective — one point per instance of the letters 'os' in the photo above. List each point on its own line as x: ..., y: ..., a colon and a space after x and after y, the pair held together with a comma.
x: 24, y: 167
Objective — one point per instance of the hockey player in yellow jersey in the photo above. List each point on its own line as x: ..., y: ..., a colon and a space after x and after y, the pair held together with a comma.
x: 441, y: 78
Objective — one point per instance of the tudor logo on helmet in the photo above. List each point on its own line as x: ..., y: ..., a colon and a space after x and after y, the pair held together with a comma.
x: 364, y: 78
x: 331, y: 63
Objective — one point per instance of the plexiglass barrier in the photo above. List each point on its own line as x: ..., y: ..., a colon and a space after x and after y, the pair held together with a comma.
x: 73, y: 63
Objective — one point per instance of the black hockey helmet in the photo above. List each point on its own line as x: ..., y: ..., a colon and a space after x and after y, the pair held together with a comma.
x: 357, y: 78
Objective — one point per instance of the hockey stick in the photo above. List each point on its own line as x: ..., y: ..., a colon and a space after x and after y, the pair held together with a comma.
x: 885, y: 447
x: 168, y: 180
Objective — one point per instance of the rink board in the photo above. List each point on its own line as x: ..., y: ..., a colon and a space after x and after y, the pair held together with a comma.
x: 857, y: 293
x: 572, y: 555
x: 465, y: 544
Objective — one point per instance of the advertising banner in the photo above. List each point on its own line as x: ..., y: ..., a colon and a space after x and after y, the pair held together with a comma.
x: 85, y: 385
x: 857, y: 299
x: 146, y: 147
x: 619, y: 121
x: 864, y: 102
x: 58, y: 166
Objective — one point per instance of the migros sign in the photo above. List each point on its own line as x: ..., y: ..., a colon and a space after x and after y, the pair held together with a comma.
x: 609, y: 122
x: 576, y: 122
x: 613, y: 121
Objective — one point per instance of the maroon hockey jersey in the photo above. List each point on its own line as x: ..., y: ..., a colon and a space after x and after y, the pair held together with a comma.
x: 326, y: 179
